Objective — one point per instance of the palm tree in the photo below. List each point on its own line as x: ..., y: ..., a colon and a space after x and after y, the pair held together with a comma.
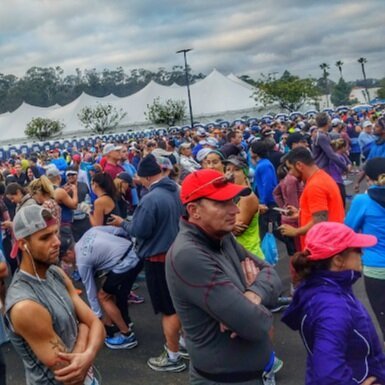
x: 363, y: 61
x: 339, y: 64
x: 324, y: 67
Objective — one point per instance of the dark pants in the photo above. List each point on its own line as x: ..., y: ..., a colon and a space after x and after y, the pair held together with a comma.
x: 342, y: 188
x: 273, y: 217
x: 119, y: 285
x: 355, y: 157
x: 2, y: 368
x: 375, y: 290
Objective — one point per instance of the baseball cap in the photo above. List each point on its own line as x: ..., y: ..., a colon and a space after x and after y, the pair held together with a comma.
x: 326, y: 239
x: 210, y: 184
x: 335, y: 122
x: 237, y: 161
x: 125, y: 176
x: 76, y: 158
x: 52, y: 171
x: 367, y: 123
x: 31, y: 219
x: 110, y: 147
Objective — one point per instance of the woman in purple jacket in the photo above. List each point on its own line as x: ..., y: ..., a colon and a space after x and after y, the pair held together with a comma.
x: 342, y: 344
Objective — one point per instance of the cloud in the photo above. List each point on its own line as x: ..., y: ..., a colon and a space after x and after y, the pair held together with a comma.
x: 243, y: 37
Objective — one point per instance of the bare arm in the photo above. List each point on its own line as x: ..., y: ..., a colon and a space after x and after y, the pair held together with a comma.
x: 248, y: 207
x: 62, y: 197
x: 80, y: 362
x: 38, y: 332
x: 290, y: 231
x: 96, y: 218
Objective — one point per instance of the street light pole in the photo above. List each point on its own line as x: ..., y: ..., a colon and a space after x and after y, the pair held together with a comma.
x: 187, y: 82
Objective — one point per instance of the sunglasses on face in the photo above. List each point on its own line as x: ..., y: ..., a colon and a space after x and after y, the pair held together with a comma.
x: 219, y: 182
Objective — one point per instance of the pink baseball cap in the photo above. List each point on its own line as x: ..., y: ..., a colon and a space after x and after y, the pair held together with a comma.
x: 326, y: 239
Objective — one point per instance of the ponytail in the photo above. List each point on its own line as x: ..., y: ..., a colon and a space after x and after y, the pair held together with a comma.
x: 305, y: 267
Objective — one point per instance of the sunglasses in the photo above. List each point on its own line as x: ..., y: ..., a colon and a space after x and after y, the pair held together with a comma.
x: 219, y: 182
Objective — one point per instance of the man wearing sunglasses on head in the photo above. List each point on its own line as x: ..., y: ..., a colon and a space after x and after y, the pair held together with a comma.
x: 219, y: 290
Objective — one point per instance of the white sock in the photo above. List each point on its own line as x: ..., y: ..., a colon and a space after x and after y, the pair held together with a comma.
x: 174, y: 356
x: 182, y: 341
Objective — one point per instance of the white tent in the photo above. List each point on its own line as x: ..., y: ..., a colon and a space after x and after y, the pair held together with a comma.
x: 240, y: 81
x: 215, y: 94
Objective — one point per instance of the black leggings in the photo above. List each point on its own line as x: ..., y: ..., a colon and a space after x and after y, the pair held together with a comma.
x: 375, y: 290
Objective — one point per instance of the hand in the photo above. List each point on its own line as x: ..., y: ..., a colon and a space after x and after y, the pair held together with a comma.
x: 223, y: 328
x: 370, y: 381
x: 262, y: 208
x: 293, y: 212
x: 76, y: 371
x: 254, y: 298
x: 250, y: 271
x: 6, y: 225
x: 239, y: 228
x: 115, y: 220
x: 288, y: 230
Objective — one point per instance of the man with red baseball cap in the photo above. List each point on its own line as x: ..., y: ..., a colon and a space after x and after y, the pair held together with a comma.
x: 220, y: 290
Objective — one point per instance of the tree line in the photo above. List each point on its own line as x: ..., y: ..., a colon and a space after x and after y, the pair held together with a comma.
x: 46, y: 86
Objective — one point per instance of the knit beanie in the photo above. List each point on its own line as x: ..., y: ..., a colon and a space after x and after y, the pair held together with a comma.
x: 149, y: 166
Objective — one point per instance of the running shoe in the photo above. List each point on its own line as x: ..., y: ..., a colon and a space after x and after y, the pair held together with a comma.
x: 163, y: 363
x: 183, y: 352
x: 268, y: 378
x: 134, y: 298
x: 121, y: 341
x: 135, y: 286
x: 282, y: 303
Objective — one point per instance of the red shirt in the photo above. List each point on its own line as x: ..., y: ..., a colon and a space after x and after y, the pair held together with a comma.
x: 113, y: 170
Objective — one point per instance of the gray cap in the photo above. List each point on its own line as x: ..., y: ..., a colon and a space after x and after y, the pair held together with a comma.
x: 52, y: 171
x: 110, y: 147
x: 30, y: 219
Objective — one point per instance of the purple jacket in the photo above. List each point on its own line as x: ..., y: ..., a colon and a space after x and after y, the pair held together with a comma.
x: 342, y: 344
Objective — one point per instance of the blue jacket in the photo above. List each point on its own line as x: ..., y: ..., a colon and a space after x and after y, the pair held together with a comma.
x: 265, y: 181
x: 342, y: 344
x: 155, y: 223
x: 367, y: 215
x: 377, y: 150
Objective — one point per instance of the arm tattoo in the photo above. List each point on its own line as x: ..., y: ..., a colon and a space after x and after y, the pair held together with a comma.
x: 59, y: 347
x: 320, y: 216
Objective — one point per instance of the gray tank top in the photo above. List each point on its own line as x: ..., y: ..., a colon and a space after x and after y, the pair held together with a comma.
x: 53, y: 295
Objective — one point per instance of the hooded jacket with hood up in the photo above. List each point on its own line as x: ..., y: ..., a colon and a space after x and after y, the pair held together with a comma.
x: 367, y: 215
x: 341, y: 342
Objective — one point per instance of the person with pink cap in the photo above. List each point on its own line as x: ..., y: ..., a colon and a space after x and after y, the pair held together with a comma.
x: 339, y: 336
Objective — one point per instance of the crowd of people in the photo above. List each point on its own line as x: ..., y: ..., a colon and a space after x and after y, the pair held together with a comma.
x: 195, y: 209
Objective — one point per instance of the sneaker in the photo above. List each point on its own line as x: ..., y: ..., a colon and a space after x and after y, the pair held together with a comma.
x: 183, y: 352
x: 163, y: 363
x: 135, y: 286
x: 135, y: 298
x: 277, y: 365
x: 282, y: 303
x: 121, y: 341
x: 268, y: 378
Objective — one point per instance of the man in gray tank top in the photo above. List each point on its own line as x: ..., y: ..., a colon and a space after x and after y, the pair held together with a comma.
x: 52, y: 329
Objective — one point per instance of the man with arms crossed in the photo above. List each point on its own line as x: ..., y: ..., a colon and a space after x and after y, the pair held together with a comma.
x: 219, y: 290
x: 53, y: 330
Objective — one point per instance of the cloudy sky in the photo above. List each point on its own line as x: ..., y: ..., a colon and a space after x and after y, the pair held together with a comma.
x: 239, y: 36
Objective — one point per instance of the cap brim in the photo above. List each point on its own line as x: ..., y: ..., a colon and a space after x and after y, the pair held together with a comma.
x: 228, y: 192
x: 363, y: 240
